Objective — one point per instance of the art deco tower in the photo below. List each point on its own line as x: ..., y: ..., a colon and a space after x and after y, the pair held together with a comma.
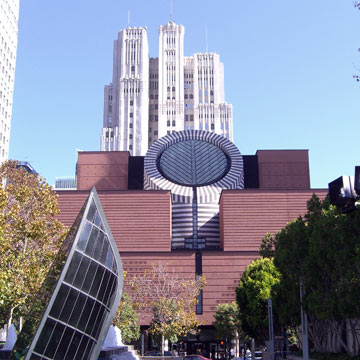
x: 182, y: 93
x: 9, y: 15
x: 126, y: 99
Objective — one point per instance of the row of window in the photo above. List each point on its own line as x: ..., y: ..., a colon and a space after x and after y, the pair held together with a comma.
x: 206, y: 126
x: 171, y: 77
x: 3, y: 153
x: 204, y: 70
x: 8, y: 64
x: 154, y: 85
x: 170, y: 40
x: 137, y: 32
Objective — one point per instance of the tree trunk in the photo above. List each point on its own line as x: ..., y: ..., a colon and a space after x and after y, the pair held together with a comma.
x: 10, y: 317
x: 162, y: 345
x: 236, y: 343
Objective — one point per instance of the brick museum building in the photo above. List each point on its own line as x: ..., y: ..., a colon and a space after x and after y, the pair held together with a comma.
x: 196, y: 203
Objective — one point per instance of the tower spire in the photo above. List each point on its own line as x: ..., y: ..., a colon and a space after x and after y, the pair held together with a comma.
x: 129, y: 17
x: 206, y: 38
x: 171, y: 9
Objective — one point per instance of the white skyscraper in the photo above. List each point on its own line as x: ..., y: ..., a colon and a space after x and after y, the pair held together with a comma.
x: 126, y: 99
x: 176, y: 92
x: 9, y: 15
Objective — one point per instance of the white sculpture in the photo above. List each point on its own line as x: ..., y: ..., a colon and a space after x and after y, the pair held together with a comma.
x: 113, y: 338
x: 10, y: 339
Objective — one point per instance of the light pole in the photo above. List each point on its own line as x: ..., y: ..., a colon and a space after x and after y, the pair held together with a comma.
x: 304, y: 325
x: 271, y: 329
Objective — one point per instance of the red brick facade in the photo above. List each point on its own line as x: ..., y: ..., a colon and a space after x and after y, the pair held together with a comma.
x: 141, y: 221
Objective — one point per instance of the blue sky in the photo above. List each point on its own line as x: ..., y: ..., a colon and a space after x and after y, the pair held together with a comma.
x: 288, y: 73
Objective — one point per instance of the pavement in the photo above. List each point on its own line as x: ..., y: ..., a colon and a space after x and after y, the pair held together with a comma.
x: 294, y: 357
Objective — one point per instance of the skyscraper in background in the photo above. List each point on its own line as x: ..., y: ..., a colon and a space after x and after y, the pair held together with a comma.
x: 9, y: 15
x: 150, y: 98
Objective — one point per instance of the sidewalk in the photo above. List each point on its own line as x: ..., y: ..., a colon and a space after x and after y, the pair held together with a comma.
x: 293, y: 357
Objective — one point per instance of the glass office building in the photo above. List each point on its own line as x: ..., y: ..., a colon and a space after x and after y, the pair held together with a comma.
x: 80, y: 296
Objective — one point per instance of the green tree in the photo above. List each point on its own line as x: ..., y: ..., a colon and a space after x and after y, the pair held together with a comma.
x: 127, y: 320
x: 169, y: 300
x: 291, y: 251
x: 252, y: 294
x: 322, y: 248
x: 30, y: 236
x: 227, y: 324
x: 267, y: 247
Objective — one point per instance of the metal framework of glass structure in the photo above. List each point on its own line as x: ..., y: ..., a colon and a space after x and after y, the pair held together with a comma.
x: 84, y: 287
